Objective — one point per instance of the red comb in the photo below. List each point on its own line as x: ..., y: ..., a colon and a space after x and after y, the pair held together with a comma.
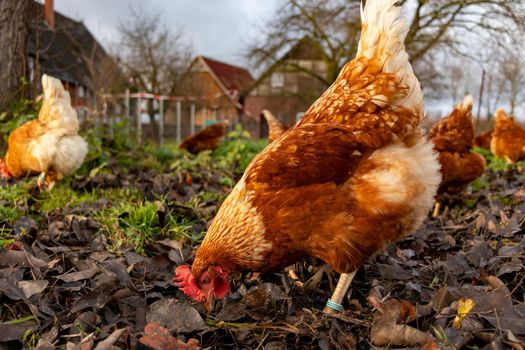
x: 186, y: 283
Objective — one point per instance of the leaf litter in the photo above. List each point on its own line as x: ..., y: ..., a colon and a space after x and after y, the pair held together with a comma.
x: 457, y: 283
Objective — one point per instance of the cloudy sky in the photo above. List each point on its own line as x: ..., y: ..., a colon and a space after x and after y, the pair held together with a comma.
x: 216, y: 28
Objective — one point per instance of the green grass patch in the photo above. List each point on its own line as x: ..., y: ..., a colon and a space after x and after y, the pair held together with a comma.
x: 17, y: 197
x: 138, y: 224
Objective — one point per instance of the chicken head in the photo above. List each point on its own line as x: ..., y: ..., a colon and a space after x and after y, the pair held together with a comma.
x: 212, y: 284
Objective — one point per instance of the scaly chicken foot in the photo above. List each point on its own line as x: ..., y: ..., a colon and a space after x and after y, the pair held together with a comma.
x: 333, y: 304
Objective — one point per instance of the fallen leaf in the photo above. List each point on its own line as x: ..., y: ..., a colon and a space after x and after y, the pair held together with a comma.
x: 464, y: 307
x: 79, y: 276
x: 31, y: 288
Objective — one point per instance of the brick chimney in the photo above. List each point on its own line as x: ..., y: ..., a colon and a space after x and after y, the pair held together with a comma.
x: 49, y: 13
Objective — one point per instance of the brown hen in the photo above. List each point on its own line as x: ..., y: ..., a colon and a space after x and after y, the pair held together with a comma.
x: 452, y: 138
x: 483, y: 139
x: 354, y: 174
x: 508, y: 138
x: 207, y: 139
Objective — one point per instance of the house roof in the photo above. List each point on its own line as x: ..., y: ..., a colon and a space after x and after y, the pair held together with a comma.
x: 233, y: 78
x: 63, y: 51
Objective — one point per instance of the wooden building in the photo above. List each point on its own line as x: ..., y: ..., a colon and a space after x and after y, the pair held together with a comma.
x: 218, y: 87
x: 285, y: 89
x: 65, y: 49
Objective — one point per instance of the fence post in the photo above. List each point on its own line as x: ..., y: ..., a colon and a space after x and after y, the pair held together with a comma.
x: 128, y: 121
x: 161, y: 122
x: 192, y: 125
x: 139, y: 120
x: 178, y: 122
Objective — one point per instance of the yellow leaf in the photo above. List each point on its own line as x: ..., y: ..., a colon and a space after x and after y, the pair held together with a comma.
x: 464, y: 307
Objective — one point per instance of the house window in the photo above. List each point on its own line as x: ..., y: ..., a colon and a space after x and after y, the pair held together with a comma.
x: 81, y: 91
x: 277, y: 80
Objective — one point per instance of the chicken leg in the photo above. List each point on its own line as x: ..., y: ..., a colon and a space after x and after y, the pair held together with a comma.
x: 437, y: 207
x: 333, y: 304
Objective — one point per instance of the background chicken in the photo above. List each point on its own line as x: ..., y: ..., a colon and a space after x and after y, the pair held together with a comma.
x: 508, y: 138
x: 452, y: 138
x: 354, y: 174
x: 49, y: 145
x: 483, y: 139
x: 207, y: 139
x: 275, y: 127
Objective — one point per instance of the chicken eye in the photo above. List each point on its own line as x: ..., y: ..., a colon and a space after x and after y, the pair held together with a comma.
x: 205, y: 281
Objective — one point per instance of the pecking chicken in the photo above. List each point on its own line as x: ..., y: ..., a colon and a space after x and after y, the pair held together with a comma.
x: 207, y: 139
x: 508, y: 138
x: 355, y: 173
x: 452, y: 138
x: 483, y: 139
x: 49, y: 145
x: 275, y: 127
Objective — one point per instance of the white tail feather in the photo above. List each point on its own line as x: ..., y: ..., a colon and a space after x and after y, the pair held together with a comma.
x: 382, y: 37
x: 62, y: 116
x: 467, y: 103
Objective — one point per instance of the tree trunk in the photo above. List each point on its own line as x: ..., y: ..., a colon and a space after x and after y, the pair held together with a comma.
x: 14, y: 34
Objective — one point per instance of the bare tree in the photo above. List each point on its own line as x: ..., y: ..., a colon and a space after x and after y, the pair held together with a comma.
x: 512, y: 70
x: 14, y: 33
x: 331, y: 25
x: 435, y: 26
x: 152, y: 56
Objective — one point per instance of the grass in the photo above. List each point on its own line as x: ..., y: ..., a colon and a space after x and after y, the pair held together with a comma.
x: 138, y: 224
x: 495, y: 163
x: 127, y: 217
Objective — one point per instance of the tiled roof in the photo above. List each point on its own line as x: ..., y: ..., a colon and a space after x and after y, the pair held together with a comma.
x: 232, y: 77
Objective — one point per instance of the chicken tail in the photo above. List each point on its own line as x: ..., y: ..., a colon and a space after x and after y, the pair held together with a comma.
x: 53, y: 89
x: 382, y: 38
x: 500, y: 114
x: 466, y: 105
x: 57, y: 108
x: 276, y: 128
